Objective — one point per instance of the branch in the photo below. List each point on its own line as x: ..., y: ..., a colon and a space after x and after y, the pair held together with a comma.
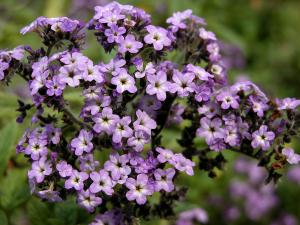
x: 74, y: 119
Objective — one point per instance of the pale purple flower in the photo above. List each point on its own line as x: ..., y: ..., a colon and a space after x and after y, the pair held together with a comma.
x: 3, y: 66
x: 149, y: 70
x: 209, y: 109
x: 114, y: 67
x: 183, y: 83
x: 207, y: 35
x: 138, y: 140
x: 76, y: 180
x: 50, y: 195
x: 232, y: 136
x: 287, y: 103
x: 111, y: 17
x: 74, y: 59
x: 164, y: 179
x: 291, y: 156
x: 54, y: 86
x: 70, y: 75
x: 124, y: 82
x: 177, y: 20
x: 210, y: 129
x: 101, y: 182
x: 64, y: 169
x: 40, y: 169
x: 129, y: 44
x: 228, y: 100
x: 92, y: 73
x: 122, y: 129
x: 105, y: 121
x: 88, y: 163
x: 158, y: 37
x: 88, y: 200
x: 144, y: 122
x: 194, y: 215
x: 150, y: 104
x: 199, y: 72
x: 139, y: 189
x: 183, y: 164
x: 262, y: 138
x: 258, y: 106
x: 165, y: 155
x: 83, y: 143
x: 118, y: 167
x: 36, y: 148
x: 158, y: 85
x: 114, y: 33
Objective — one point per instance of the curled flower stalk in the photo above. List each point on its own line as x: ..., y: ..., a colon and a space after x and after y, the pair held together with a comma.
x: 128, y: 105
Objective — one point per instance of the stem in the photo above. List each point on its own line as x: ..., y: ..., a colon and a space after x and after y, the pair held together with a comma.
x: 74, y: 119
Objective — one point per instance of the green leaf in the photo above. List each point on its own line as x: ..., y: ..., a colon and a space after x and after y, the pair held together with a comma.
x: 7, y: 141
x: 66, y: 212
x: 3, y: 218
x: 38, y: 212
x: 14, y: 189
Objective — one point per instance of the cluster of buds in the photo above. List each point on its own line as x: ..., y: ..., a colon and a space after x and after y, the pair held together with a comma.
x: 158, y: 78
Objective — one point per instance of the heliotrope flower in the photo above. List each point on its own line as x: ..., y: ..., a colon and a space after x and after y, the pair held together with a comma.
x: 210, y: 129
x: 164, y: 179
x: 158, y: 37
x: 82, y: 143
x: 40, y: 169
x: 129, y: 44
x: 101, y: 182
x: 138, y: 140
x: 76, y: 180
x: 105, y: 121
x: 124, y: 82
x: 88, y: 200
x: 291, y: 156
x: 118, y: 167
x: 262, y: 138
x: 158, y: 85
x: 114, y: 33
x: 122, y: 129
x: 64, y: 169
x: 144, y: 122
x: 228, y: 100
x: 183, y: 83
x: 139, y: 189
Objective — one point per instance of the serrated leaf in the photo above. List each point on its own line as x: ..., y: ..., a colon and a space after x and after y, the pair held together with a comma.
x: 7, y: 140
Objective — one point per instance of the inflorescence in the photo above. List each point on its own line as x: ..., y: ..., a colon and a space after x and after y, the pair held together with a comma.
x: 158, y: 78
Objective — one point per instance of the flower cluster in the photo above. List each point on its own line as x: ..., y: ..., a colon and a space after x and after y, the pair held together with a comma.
x: 113, y: 153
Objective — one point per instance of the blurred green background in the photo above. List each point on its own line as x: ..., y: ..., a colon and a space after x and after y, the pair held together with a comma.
x: 261, y: 39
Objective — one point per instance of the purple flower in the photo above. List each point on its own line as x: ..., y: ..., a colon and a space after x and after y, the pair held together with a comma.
x: 75, y: 59
x: 124, y: 82
x: 139, y: 189
x: 288, y: 103
x: 50, y: 195
x: 36, y: 148
x: 209, y: 109
x: 210, y: 129
x: 3, y: 66
x: 111, y: 17
x: 149, y: 70
x: 183, y: 83
x: 118, y: 167
x: 114, y: 33
x: 129, y: 44
x: 70, y: 75
x: 87, y: 163
x: 54, y: 86
x: 64, y: 169
x: 164, y: 179
x: 157, y: 36
x: 138, y: 141
x: 150, y: 104
x: 262, y: 138
x: 101, y: 182
x: 207, y: 35
x: 76, y: 180
x: 88, y: 200
x: 158, y: 85
x: 191, y: 216
x: 291, y: 156
x: 228, y: 100
x: 114, y: 67
x: 178, y: 20
x: 165, y: 155
x: 232, y: 136
x: 122, y: 129
x: 105, y: 121
x: 144, y: 122
x: 40, y: 169
x: 92, y: 73
x: 258, y: 106
x: 183, y: 164
x: 83, y: 143
x: 199, y: 72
